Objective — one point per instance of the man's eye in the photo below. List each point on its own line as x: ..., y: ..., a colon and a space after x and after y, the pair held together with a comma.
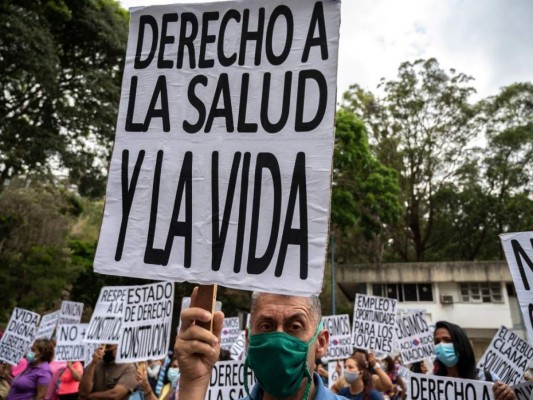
x: 265, y: 326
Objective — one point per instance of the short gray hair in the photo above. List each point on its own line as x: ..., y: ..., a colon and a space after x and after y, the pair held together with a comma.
x: 313, y: 301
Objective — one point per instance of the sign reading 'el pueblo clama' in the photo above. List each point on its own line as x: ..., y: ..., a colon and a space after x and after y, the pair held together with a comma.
x: 221, y: 169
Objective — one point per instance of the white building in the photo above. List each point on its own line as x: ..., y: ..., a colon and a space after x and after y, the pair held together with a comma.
x: 478, y: 296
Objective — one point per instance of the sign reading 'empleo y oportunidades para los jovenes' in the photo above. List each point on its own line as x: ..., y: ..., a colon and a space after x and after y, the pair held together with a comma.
x: 221, y: 168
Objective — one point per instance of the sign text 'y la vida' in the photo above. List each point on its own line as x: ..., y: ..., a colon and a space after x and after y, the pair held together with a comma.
x: 221, y: 168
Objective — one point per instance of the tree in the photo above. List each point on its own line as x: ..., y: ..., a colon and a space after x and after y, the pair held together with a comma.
x: 61, y: 68
x: 421, y: 127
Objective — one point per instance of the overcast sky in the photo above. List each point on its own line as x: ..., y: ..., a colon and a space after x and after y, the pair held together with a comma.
x: 491, y: 40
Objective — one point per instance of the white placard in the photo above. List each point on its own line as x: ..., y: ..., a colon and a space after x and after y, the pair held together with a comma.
x: 230, y: 332
x: 18, y: 335
x: 107, y: 317
x: 374, y: 319
x: 70, y: 312
x: 227, y: 381
x: 147, y: 319
x: 523, y: 391
x: 415, y: 339
x: 221, y: 168
x: 518, y: 248
x: 340, y: 337
x: 431, y: 387
x: 48, y: 325
x: 508, y: 356
x: 237, y: 349
x: 333, y: 373
x: 90, y: 349
x: 70, y: 346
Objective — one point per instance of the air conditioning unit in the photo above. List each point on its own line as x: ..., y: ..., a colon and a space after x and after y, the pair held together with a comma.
x: 446, y: 299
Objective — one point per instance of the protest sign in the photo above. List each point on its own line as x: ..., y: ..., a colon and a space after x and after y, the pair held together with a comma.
x: 221, y: 167
x: 335, y: 370
x: 107, y: 317
x: 230, y: 332
x: 340, y: 337
x: 70, y: 312
x: 70, y: 346
x: 431, y: 387
x: 374, y: 319
x: 518, y: 248
x: 415, y: 339
x: 48, y: 325
x: 18, y: 335
x: 523, y: 391
x: 507, y: 356
x: 227, y: 381
x: 147, y: 319
x: 237, y: 349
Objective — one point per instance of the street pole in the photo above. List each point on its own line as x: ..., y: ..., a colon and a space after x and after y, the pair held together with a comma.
x: 332, y: 274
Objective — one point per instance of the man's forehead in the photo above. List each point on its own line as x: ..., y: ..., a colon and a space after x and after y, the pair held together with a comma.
x: 288, y: 305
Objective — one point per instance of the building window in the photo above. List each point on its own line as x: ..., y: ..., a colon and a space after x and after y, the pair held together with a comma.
x: 404, y: 291
x: 481, y: 292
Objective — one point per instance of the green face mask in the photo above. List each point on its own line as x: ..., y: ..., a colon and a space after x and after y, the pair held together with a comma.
x: 279, y: 362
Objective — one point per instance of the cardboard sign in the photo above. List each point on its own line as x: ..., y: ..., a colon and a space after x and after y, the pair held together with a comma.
x: 333, y: 371
x: 48, y: 325
x: 237, y: 349
x: 70, y: 312
x: 518, y: 248
x: 374, y: 320
x: 508, y: 356
x: 18, y: 335
x: 227, y: 381
x: 147, y: 319
x: 107, y: 317
x: 70, y: 346
x: 90, y: 349
x: 230, y: 332
x: 340, y: 337
x: 431, y: 387
x: 523, y: 391
x: 221, y: 167
x: 415, y: 339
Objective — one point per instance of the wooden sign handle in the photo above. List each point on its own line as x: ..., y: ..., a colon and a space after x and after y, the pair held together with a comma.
x: 206, y: 298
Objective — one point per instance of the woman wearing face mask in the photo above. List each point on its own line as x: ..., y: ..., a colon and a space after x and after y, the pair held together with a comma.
x: 455, y: 359
x: 32, y: 383
x: 360, y: 380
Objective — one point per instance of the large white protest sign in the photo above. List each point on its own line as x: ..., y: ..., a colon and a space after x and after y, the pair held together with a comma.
x: 431, y: 387
x: 70, y: 312
x: 523, y: 391
x: 48, y: 325
x: 107, y: 317
x: 518, y: 248
x: 374, y: 319
x: 230, y: 332
x: 70, y: 346
x: 18, y: 335
x: 237, y: 349
x: 340, y: 337
x: 415, y: 339
x: 227, y: 381
x: 145, y: 332
x: 221, y: 167
x: 507, y: 356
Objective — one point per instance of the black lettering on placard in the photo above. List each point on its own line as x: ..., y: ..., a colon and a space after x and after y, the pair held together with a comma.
x: 298, y: 236
x: 247, y: 35
x: 206, y: 38
x: 226, y: 110
x: 165, y: 39
x: 224, y: 60
x: 196, y: 103
x: 242, y: 125
x: 130, y: 125
x: 317, y: 19
x: 285, y: 12
x: 176, y: 228
x: 160, y: 91
x: 267, y: 161
x: 187, y: 19
x: 143, y: 22
x: 242, y: 212
x: 128, y: 192
x: 300, y: 125
x: 219, y: 235
x: 519, y: 254
x: 530, y: 309
x: 265, y: 122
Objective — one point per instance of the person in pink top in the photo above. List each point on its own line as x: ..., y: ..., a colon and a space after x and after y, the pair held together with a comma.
x: 56, y: 367
x: 69, y: 381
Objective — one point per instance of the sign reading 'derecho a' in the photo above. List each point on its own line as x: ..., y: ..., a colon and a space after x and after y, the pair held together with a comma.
x: 221, y: 168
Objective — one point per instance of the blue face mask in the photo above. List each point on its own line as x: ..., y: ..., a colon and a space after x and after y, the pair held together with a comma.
x: 173, y: 374
x: 446, y: 354
x: 30, y: 356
